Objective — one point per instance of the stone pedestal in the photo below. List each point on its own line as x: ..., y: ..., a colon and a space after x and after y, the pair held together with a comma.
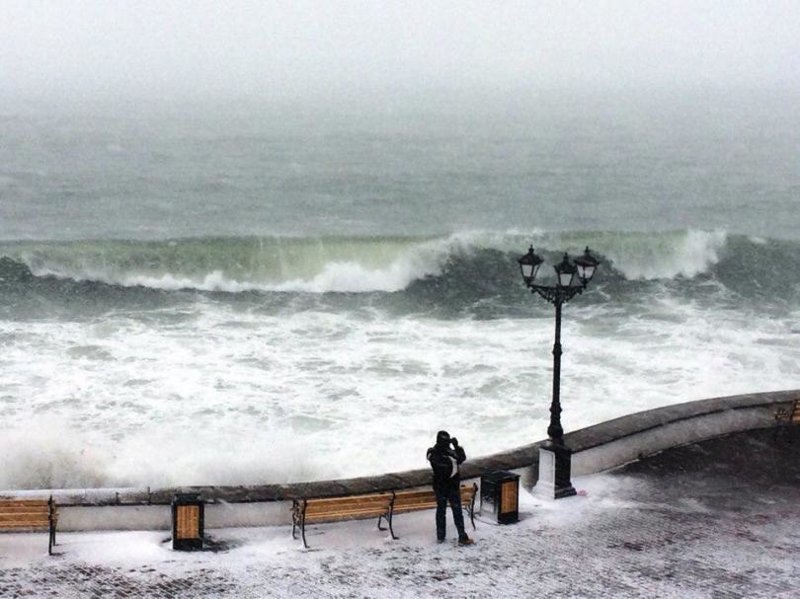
x: 555, y: 462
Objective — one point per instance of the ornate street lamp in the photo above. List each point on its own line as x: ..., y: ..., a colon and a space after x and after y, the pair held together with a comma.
x: 572, y: 277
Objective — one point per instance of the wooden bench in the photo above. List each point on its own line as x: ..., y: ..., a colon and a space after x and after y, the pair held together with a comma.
x: 371, y: 505
x: 789, y: 415
x: 414, y: 500
x: 22, y: 515
x: 332, y: 509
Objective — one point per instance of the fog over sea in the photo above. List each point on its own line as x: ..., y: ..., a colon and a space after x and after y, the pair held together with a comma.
x: 259, y: 292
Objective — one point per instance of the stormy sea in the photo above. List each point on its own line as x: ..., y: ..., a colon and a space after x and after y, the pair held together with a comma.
x: 261, y: 292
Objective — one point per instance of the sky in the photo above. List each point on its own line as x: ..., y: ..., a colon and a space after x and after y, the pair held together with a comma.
x: 296, y: 47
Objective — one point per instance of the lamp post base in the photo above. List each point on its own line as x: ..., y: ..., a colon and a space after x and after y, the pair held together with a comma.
x: 554, y: 472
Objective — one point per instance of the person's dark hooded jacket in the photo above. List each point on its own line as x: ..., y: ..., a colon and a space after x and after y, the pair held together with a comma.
x: 445, y: 461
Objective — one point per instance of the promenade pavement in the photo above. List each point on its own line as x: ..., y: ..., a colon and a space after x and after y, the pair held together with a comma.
x: 718, y: 519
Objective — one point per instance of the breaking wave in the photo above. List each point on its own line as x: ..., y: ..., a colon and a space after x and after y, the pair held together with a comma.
x: 390, y: 264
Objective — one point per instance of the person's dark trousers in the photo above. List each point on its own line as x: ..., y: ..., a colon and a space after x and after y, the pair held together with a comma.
x: 452, y: 496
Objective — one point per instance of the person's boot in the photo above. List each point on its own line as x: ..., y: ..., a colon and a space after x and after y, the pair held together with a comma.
x: 465, y: 540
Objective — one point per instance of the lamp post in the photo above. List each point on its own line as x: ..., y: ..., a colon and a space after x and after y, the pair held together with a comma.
x: 572, y: 277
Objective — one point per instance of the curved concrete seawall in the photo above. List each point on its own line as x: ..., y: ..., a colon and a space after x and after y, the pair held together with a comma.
x: 597, y: 448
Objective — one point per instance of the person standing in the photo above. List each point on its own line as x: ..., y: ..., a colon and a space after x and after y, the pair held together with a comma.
x: 445, y: 461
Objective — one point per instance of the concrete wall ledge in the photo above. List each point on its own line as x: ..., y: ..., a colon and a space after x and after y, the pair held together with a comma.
x: 596, y: 448
x: 616, y: 442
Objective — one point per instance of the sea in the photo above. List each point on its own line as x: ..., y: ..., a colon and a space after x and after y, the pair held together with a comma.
x: 262, y: 291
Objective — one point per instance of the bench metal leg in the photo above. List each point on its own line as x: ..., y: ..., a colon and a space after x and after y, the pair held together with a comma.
x: 303, y: 534
x: 52, y: 520
x: 391, y: 515
x: 391, y: 530
x: 51, y: 538
x: 303, y: 524
x: 388, y: 517
x: 299, y: 520
x: 472, y: 506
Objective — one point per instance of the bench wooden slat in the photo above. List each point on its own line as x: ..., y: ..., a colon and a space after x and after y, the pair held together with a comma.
x: 348, y: 499
x: 416, y: 499
x: 415, y: 503
x: 334, y: 502
x: 376, y: 509
x: 24, y: 513
x: 6, y: 519
x: 322, y: 516
x: 320, y: 509
x: 345, y: 516
x: 413, y: 507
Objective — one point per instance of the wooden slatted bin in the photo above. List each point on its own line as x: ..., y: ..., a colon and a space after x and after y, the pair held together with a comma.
x: 501, y: 489
x: 188, y: 513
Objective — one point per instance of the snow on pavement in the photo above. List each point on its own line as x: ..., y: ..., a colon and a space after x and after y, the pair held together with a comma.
x: 629, y: 534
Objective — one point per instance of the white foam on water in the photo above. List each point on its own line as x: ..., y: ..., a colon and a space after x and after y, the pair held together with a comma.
x: 686, y: 254
x: 418, y: 261
x: 226, y: 396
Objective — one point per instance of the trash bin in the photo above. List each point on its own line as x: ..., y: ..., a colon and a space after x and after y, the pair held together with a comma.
x: 188, y: 512
x: 501, y: 489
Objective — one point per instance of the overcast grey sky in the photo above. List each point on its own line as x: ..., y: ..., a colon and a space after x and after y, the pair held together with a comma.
x: 251, y: 47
